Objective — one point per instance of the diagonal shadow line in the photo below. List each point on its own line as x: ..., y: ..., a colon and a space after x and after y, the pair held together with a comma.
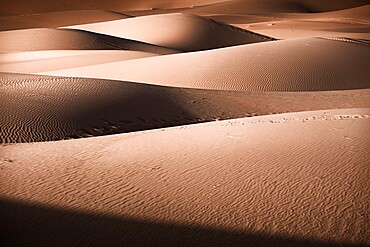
x: 26, y: 224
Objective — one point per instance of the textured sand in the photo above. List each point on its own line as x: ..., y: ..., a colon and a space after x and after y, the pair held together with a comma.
x: 351, y: 23
x: 305, y: 64
x: 184, y: 123
x: 300, y: 175
x: 58, y: 39
x: 53, y: 108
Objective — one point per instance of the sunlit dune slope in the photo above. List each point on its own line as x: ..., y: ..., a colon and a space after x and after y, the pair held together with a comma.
x: 59, y: 39
x: 57, y: 19
x: 17, y: 7
x: 300, y: 175
x: 176, y: 31
x: 310, y: 64
x: 32, y: 61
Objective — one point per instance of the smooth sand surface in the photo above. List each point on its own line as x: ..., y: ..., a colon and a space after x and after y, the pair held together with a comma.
x: 301, y: 176
x: 19, y: 7
x: 39, y: 61
x: 57, y: 19
x: 184, y: 123
x: 177, y: 31
x: 287, y: 65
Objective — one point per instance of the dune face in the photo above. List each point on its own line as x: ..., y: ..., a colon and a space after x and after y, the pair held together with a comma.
x: 218, y: 175
x: 58, y: 19
x: 176, y: 31
x: 58, y: 108
x: 40, y: 61
x: 184, y: 123
x: 288, y: 65
x: 284, y: 6
x: 55, y: 39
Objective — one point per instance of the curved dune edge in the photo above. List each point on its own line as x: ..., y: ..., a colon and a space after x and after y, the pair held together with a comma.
x: 176, y: 31
x: 43, y: 108
x: 250, y: 175
x: 39, y: 39
x: 39, y: 61
x: 58, y: 19
x: 350, y: 23
x: 309, y: 64
x: 261, y: 7
x: 19, y: 7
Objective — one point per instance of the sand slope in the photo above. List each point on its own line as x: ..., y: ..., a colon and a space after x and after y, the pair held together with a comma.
x: 310, y: 64
x: 176, y: 31
x: 59, y: 39
x: 184, y: 123
x: 299, y: 175
x: 40, y: 6
x: 266, y: 7
x: 57, y: 19
x: 39, y: 61
x: 350, y: 23
x: 52, y: 108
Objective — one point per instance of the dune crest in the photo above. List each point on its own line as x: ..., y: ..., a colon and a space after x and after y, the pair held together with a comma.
x: 177, y: 31
x: 286, y: 65
x: 184, y: 123
x: 60, y: 39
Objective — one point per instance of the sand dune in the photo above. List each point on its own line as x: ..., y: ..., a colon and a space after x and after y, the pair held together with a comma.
x: 301, y: 175
x: 356, y: 13
x: 57, y: 19
x: 54, y: 39
x: 184, y: 123
x: 39, y: 61
x: 61, y: 108
x: 176, y: 31
x: 272, y: 6
x: 287, y: 65
x: 18, y: 7
x: 350, y: 23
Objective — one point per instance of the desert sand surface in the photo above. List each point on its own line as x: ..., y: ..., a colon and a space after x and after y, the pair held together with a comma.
x: 185, y: 123
x: 57, y: 19
x: 177, y: 31
x: 304, y: 64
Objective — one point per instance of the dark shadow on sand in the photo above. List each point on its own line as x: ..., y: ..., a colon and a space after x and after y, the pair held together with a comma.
x: 24, y: 224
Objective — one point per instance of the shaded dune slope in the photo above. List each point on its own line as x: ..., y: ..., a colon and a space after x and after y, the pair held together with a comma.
x: 52, y: 108
x: 59, y: 39
x: 356, y: 13
x: 177, y: 31
x: 309, y: 64
x: 272, y: 6
x: 299, y: 175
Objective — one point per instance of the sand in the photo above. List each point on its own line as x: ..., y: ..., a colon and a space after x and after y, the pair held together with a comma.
x: 184, y: 123
x: 57, y: 19
x: 58, y: 108
x: 176, y: 31
x: 244, y: 176
x: 39, y: 39
x: 305, y: 64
